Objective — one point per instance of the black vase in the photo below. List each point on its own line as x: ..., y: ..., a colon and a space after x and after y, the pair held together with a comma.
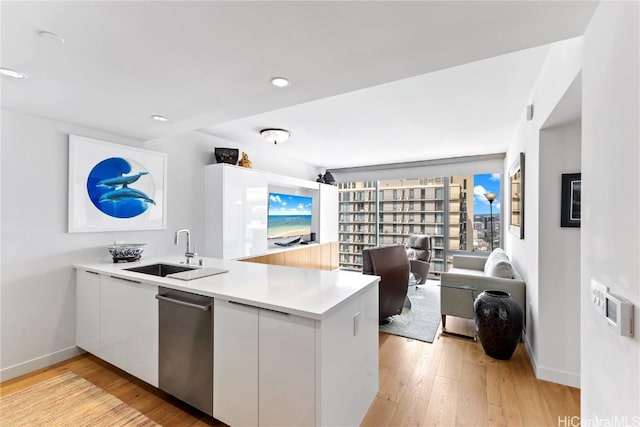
x: 498, y: 319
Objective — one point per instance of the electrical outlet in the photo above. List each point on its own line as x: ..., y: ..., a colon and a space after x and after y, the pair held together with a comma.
x: 598, y: 295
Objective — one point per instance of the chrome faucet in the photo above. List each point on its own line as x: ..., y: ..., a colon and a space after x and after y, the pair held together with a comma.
x: 189, y: 254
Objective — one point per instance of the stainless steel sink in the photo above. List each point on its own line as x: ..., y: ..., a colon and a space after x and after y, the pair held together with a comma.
x: 160, y: 269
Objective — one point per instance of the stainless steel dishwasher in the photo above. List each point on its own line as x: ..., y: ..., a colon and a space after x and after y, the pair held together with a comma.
x: 186, y: 347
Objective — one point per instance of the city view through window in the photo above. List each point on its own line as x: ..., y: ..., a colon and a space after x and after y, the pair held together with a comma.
x: 454, y: 210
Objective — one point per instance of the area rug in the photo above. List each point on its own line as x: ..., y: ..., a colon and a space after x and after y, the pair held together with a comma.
x: 422, y: 320
x: 67, y: 400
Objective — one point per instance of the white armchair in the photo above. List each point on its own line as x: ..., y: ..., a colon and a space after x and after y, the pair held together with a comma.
x: 470, y: 275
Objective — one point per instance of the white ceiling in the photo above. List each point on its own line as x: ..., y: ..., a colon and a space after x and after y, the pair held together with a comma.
x: 372, y: 82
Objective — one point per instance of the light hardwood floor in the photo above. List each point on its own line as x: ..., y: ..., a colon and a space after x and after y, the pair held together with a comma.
x: 453, y: 383
x: 450, y: 382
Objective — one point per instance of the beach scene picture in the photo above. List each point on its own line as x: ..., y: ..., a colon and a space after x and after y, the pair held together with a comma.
x: 289, y: 216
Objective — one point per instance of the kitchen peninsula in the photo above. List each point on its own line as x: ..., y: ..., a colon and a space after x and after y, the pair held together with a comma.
x: 291, y: 346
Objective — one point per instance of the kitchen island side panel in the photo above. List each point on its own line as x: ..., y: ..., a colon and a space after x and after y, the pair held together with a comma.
x: 347, y: 368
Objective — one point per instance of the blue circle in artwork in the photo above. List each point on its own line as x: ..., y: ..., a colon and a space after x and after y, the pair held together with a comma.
x: 117, y: 192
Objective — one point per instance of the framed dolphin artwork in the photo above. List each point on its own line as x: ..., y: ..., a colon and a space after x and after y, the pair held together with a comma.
x: 115, y: 187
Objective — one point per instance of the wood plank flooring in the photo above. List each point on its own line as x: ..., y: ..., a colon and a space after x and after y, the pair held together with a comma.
x: 450, y: 382
x: 155, y: 404
x: 453, y: 383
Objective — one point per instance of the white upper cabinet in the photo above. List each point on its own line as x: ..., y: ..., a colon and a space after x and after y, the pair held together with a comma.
x: 236, y: 212
x: 236, y: 209
x: 328, y: 214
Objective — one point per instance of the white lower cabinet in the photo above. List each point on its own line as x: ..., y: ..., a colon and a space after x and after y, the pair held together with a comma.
x: 264, y: 367
x: 287, y: 370
x: 126, y: 314
x: 87, y: 311
x: 269, y: 368
x: 141, y: 358
x: 235, y: 363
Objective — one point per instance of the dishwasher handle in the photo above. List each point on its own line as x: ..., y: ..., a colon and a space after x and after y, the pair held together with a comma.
x: 204, y: 307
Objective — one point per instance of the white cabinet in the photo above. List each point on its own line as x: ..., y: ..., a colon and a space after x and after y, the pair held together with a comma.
x: 113, y: 321
x: 264, y: 367
x: 117, y: 320
x: 87, y: 310
x: 287, y: 370
x: 129, y: 327
x: 235, y: 363
x: 141, y: 358
x: 328, y: 231
x: 236, y: 211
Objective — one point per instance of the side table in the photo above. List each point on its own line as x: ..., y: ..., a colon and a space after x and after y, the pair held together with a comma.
x: 446, y: 333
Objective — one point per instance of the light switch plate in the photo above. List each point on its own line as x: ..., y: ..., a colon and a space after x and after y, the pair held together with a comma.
x: 598, y: 295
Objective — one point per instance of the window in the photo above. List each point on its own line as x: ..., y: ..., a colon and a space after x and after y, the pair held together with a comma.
x: 452, y: 209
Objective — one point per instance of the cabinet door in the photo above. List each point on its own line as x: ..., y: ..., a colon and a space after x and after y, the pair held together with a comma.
x: 245, y: 212
x: 142, y: 332
x: 113, y: 321
x: 129, y: 327
x: 287, y: 370
x: 235, y: 212
x: 328, y: 214
x: 235, y: 363
x: 87, y: 311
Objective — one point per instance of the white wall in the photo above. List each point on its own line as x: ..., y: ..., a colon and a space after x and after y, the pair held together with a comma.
x: 558, y: 354
x: 37, y: 282
x: 560, y: 69
x: 611, y: 205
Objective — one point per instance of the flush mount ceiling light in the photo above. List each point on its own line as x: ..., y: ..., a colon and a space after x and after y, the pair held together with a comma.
x: 48, y: 35
x: 276, y: 136
x: 159, y: 118
x: 12, y: 73
x: 280, y: 81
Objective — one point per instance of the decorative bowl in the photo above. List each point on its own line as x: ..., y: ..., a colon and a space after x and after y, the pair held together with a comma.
x: 226, y: 155
x: 126, y: 251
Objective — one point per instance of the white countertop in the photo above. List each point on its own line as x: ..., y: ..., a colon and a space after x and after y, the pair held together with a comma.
x: 303, y: 292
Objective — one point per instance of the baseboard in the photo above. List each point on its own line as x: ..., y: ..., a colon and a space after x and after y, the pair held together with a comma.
x: 38, y: 363
x: 552, y: 375
x: 559, y: 377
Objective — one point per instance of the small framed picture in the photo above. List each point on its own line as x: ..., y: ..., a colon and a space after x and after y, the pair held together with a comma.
x: 570, y: 204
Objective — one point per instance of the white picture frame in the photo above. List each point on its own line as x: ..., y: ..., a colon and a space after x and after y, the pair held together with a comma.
x: 114, y: 187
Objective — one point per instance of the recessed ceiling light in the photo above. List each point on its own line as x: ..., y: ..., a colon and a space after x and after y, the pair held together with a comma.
x: 280, y: 81
x: 48, y: 35
x: 12, y: 73
x: 159, y: 118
